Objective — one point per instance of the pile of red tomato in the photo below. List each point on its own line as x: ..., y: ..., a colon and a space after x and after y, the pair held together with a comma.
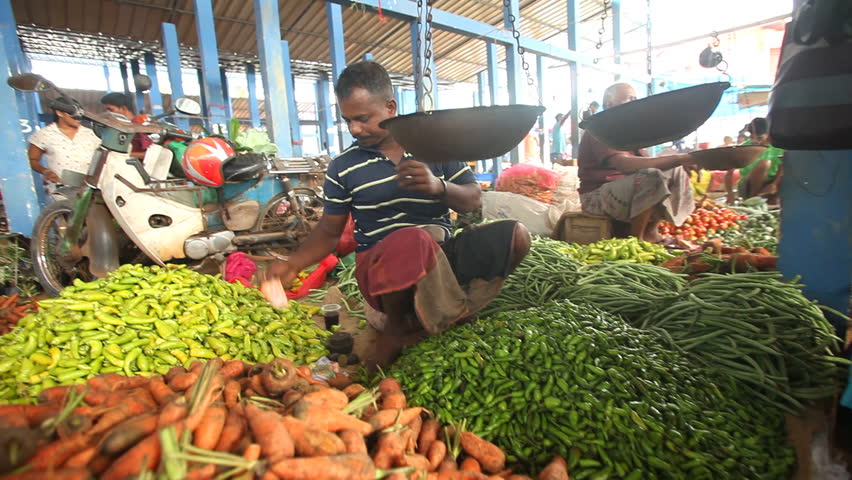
x: 704, y: 223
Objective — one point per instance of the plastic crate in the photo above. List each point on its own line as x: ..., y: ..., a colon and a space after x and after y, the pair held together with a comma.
x: 582, y: 228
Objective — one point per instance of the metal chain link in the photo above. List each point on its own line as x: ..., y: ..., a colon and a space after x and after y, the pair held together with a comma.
x: 722, y: 66
x: 602, y: 29
x: 428, y: 85
x: 517, y: 36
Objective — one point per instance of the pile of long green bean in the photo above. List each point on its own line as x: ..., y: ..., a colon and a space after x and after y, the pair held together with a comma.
x: 144, y: 320
x: 616, y: 401
x: 547, y: 273
x: 758, y: 330
x: 628, y: 289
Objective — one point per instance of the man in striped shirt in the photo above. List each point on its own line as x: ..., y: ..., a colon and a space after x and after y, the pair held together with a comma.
x: 416, y: 277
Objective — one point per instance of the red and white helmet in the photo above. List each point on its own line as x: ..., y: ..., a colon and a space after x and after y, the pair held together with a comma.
x: 202, y: 160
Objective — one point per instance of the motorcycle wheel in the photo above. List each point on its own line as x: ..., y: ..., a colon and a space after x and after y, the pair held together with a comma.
x: 296, y: 212
x: 49, y: 230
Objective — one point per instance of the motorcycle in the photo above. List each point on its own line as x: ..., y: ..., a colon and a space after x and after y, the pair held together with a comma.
x: 126, y: 210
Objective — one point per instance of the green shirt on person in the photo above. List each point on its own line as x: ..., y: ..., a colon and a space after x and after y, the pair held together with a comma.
x: 773, y: 154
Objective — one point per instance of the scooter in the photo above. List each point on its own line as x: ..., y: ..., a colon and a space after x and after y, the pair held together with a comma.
x: 254, y: 203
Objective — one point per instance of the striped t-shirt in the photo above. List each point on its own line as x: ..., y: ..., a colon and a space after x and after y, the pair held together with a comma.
x: 362, y: 181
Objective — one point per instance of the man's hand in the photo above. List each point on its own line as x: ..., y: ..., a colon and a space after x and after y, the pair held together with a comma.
x: 283, y: 271
x: 51, y: 176
x: 416, y: 176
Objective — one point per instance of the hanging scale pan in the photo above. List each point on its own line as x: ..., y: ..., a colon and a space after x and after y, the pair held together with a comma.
x: 657, y: 119
x: 463, y: 134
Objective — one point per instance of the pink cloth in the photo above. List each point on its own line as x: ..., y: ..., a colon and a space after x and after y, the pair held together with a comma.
x: 239, y: 268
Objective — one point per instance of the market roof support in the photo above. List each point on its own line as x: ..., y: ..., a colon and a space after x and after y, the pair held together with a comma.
x: 542, y: 132
x: 140, y: 96
x: 122, y: 68
x: 292, y: 107
x: 481, y: 83
x: 203, y: 98
x: 28, y: 103
x: 368, y: 57
x: 106, y: 77
x: 420, y: 56
x: 337, y: 51
x: 156, y: 97
x: 19, y: 189
x: 616, y: 33
x: 493, y: 89
x: 211, y: 82
x: 226, y: 97
x: 172, y: 50
x: 251, y: 82
x: 272, y: 71
x: 573, y: 41
x: 325, y: 114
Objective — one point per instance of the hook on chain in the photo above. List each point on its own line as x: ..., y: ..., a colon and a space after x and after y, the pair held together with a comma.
x: 602, y: 29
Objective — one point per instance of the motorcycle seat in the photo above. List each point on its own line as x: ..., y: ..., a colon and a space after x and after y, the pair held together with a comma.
x: 243, y: 167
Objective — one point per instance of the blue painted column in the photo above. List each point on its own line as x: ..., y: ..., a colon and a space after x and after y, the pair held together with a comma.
x: 337, y: 52
x: 156, y: 97
x: 272, y: 71
x: 816, y: 230
x: 368, y: 57
x: 616, y: 32
x: 140, y: 96
x: 254, y: 108
x: 106, y: 77
x: 172, y: 50
x: 494, y: 91
x: 16, y: 178
x: 542, y: 132
x: 122, y: 69
x: 211, y: 81
x: 324, y: 114
x: 292, y: 107
x: 482, y: 84
x: 573, y: 42
x: 226, y: 96
x: 397, y: 95
x: 202, y: 96
x: 513, y: 66
x: 420, y: 55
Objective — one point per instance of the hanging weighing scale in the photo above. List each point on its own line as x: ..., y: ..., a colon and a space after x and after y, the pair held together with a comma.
x: 461, y: 134
x: 670, y: 116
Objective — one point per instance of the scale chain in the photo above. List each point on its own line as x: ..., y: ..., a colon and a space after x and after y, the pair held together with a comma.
x: 602, y: 29
x: 517, y: 36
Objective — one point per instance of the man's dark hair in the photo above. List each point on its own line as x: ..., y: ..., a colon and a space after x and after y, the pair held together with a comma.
x: 758, y: 126
x: 118, y: 99
x: 595, y: 104
x: 367, y: 75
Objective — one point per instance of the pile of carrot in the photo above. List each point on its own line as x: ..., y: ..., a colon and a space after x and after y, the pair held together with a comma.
x: 712, y: 257
x: 12, y: 309
x: 229, y: 419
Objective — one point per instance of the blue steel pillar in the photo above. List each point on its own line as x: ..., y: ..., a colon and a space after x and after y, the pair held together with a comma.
x: 494, y: 90
x: 542, y: 132
x: 203, y: 98
x: 211, y: 81
x: 816, y: 231
x: 419, y: 55
x: 272, y: 70
x: 573, y: 42
x: 106, y: 77
x: 324, y: 114
x: 368, y: 57
x: 172, y: 50
x: 292, y: 106
x: 156, y: 97
x: 616, y: 32
x: 16, y: 177
x: 482, y: 84
x: 122, y: 69
x: 226, y: 96
x: 254, y: 109
x: 18, y: 63
x: 140, y: 96
x: 337, y: 51
x: 513, y: 60
x: 397, y: 95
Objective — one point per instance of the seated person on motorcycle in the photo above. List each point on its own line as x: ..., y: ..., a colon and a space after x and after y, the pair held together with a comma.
x: 67, y: 144
x: 414, y: 273
x: 121, y: 104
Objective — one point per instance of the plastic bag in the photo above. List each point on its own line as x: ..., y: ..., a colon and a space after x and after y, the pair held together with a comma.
x: 539, y: 218
x: 530, y: 181
x: 567, y: 192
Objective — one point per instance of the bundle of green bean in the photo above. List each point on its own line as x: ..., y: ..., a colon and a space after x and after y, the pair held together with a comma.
x: 616, y: 401
x: 759, y: 330
x: 628, y: 289
x: 547, y: 273
x: 618, y: 249
x: 144, y: 320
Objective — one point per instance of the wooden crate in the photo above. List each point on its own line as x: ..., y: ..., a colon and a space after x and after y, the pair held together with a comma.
x: 582, y: 228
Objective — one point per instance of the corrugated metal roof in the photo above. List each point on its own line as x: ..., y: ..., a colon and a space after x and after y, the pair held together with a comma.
x: 86, y: 28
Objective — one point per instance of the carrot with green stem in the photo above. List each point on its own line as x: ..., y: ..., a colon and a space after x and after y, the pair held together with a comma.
x: 390, y: 448
x: 328, y: 397
x: 205, y: 472
x: 394, y: 400
x: 63, y: 474
x: 231, y: 394
x: 208, y: 432
x: 557, y: 469
x: 118, y: 414
x: 311, y: 442
x: 353, y: 390
x: 470, y: 464
x: 270, y: 433
x: 389, y: 385
x: 353, y: 441
x: 128, y: 433
x: 329, y: 419
x: 428, y: 434
x: 278, y: 376
x: 233, y: 430
x: 413, y: 433
x: 436, y: 454
x: 160, y: 391
x: 339, y: 467
x: 54, y: 454
x: 489, y: 455
x: 385, y: 418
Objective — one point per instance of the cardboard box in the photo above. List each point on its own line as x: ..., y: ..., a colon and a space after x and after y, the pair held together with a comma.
x: 582, y: 228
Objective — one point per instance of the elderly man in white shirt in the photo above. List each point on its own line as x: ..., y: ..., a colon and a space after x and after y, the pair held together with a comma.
x: 67, y: 144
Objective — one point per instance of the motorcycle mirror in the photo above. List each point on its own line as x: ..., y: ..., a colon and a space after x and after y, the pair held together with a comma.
x: 30, y: 82
x: 142, y: 82
x: 187, y: 106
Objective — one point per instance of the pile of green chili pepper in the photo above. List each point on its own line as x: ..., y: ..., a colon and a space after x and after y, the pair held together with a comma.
x: 545, y: 274
x: 618, y: 250
x: 628, y: 289
x: 616, y: 401
x: 144, y: 320
x: 758, y: 330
